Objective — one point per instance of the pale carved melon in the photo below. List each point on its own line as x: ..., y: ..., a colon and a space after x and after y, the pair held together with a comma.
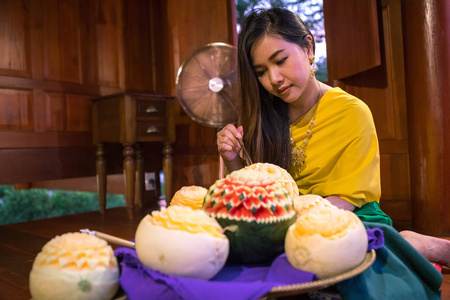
x: 183, y: 242
x: 304, y: 203
x: 191, y: 196
x: 326, y: 241
x: 279, y: 174
x: 74, y: 266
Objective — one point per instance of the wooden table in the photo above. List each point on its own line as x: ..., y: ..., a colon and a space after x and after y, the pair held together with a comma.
x: 131, y: 119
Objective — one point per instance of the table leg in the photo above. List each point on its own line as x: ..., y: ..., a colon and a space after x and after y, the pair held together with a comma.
x: 140, y: 174
x: 101, y: 177
x: 167, y: 170
x: 129, y: 169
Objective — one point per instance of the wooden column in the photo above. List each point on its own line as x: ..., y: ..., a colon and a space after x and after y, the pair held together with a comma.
x: 426, y: 28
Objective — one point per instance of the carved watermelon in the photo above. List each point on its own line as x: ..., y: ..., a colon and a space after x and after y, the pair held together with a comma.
x: 255, y: 210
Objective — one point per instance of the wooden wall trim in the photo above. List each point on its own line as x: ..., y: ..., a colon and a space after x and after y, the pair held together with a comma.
x: 56, y: 86
x: 15, y: 139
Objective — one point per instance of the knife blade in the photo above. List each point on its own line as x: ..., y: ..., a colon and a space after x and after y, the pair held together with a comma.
x: 247, y: 156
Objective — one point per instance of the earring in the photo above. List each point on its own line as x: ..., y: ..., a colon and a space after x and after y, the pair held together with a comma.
x: 313, y: 70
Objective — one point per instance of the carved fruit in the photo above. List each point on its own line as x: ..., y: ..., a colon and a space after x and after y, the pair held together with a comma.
x: 279, y: 174
x: 183, y: 242
x: 255, y: 210
x: 326, y: 241
x: 74, y: 266
x: 304, y: 203
x: 191, y: 196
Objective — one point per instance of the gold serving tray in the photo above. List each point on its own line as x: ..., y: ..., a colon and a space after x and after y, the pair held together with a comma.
x: 301, y: 288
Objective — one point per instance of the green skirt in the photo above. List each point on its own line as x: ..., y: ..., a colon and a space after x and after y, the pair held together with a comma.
x: 399, y: 271
x: 371, y: 212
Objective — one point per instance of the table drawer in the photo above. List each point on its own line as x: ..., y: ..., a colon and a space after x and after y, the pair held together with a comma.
x: 150, y: 108
x: 151, y: 131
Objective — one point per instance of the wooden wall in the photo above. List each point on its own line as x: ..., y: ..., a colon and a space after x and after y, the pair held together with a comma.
x: 395, y: 56
x: 195, y: 23
x: 57, y: 55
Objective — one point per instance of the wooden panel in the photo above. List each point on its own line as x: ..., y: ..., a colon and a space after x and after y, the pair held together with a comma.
x: 110, y: 44
x: 400, y: 213
x: 47, y: 139
x: 57, y: 86
x: 102, y: 42
x: 62, y: 40
x: 352, y: 36
x: 14, y: 38
x: 16, y: 110
x: 138, y: 46
x: 110, y: 115
x: 191, y: 32
x: 395, y: 181
x: 55, y: 112
x: 188, y: 32
x: 78, y: 113
x: 195, y: 170
x: 115, y: 184
x: 373, y: 88
x: 28, y: 165
x: 52, y: 52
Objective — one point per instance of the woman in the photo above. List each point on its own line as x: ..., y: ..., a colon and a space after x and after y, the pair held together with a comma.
x: 323, y: 136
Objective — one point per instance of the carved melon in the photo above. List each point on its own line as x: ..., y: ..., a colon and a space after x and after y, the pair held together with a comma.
x: 304, y: 203
x: 279, y: 174
x: 326, y: 241
x: 183, y: 242
x: 74, y: 266
x: 255, y: 211
x: 191, y: 196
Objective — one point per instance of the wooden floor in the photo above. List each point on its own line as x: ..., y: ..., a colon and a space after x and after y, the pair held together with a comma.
x: 20, y: 243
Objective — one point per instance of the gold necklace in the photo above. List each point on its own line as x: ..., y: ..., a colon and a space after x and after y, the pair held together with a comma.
x: 298, y: 153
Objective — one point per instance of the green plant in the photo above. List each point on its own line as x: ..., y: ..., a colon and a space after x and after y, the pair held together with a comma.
x: 27, y: 205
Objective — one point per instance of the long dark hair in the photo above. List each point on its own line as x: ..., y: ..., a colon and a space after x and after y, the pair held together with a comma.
x: 265, y: 117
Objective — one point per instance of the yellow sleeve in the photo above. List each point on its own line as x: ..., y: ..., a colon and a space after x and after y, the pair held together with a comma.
x: 342, y: 154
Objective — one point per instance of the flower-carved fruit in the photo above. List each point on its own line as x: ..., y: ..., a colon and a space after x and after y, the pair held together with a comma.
x: 326, y: 241
x: 191, y: 196
x: 279, y: 174
x: 255, y: 211
x: 183, y: 242
x: 304, y: 203
x: 74, y: 266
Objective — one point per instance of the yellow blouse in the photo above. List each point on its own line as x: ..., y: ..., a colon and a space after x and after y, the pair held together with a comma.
x: 342, y: 154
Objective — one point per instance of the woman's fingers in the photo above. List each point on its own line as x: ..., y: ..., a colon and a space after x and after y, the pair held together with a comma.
x: 228, y: 138
x: 228, y: 141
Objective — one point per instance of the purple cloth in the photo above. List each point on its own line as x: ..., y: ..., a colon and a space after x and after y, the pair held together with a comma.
x: 376, y: 238
x: 232, y: 282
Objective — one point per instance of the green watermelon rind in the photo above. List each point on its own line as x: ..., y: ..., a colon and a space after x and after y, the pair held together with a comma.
x: 253, y: 242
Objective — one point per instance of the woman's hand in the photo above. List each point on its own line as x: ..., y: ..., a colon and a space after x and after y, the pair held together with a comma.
x: 228, y: 143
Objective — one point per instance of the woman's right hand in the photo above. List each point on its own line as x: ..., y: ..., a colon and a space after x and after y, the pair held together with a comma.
x: 228, y: 143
